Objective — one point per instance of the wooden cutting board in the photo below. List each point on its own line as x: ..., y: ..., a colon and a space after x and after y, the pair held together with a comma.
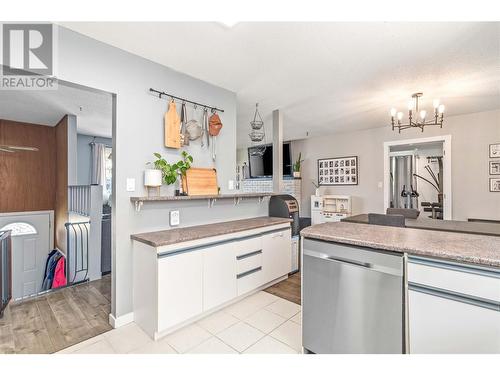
x: 172, y: 127
x: 201, y: 181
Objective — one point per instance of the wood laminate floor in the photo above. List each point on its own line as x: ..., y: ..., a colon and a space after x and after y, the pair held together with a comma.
x: 56, y: 320
x: 288, y: 289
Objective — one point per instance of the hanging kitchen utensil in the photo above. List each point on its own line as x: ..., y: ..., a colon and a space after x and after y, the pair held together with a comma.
x: 184, y: 120
x: 205, y: 132
x: 193, y: 129
x: 172, y: 126
x: 215, y: 125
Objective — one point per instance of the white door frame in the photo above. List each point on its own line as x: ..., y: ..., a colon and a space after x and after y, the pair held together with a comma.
x: 447, y: 195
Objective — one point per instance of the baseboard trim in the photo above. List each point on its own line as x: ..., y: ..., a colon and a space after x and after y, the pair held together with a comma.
x: 120, y: 321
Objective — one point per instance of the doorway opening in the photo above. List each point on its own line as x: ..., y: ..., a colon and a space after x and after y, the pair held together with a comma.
x: 417, y: 175
x: 56, y: 151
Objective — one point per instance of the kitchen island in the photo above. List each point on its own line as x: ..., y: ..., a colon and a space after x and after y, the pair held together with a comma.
x: 486, y: 228
x: 399, y: 290
x: 183, y: 274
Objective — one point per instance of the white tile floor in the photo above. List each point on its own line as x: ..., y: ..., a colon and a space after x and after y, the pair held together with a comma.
x: 260, y: 324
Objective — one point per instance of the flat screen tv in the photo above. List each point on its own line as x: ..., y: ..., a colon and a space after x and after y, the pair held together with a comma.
x: 262, y: 166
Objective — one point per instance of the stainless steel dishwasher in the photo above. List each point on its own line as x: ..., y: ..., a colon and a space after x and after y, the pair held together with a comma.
x: 352, y: 299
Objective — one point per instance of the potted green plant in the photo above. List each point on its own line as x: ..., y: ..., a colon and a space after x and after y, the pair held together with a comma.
x: 296, y: 166
x: 182, y: 166
x: 167, y: 170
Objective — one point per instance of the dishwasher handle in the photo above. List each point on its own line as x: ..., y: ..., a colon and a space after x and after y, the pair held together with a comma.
x: 349, y: 261
x: 352, y: 262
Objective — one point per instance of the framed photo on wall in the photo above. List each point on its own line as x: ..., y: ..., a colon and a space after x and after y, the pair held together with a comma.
x: 495, y: 150
x: 495, y: 184
x: 338, y: 171
x: 495, y: 166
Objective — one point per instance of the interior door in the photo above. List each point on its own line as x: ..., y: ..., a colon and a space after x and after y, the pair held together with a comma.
x: 30, y: 246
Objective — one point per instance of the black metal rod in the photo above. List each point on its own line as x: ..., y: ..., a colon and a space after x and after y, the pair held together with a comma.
x: 162, y: 93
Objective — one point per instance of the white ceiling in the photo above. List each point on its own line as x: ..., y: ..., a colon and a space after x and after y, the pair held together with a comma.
x: 325, y: 77
x: 92, y: 108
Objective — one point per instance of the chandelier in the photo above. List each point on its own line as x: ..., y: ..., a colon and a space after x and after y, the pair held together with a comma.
x: 257, y: 134
x: 417, y: 117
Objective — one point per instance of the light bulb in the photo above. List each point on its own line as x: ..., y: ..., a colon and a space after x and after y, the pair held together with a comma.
x: 393, y: 112
x: 400, y: 116
x: 435, y: 103
x: 410, y: 105
x: 423, y: 113
x: 441, y: 109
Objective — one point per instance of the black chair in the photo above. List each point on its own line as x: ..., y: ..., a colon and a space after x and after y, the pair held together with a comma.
x: 387, y: 220
x: 409, y: 213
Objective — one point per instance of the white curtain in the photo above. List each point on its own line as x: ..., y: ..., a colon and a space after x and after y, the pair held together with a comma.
x: 98, y: 173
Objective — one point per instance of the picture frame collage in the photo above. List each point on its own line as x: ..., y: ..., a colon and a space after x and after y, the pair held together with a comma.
x: 338, y: 171
x: 494, y: 167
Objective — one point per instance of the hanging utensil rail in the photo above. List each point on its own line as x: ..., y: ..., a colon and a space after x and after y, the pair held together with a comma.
x: 162, y: 93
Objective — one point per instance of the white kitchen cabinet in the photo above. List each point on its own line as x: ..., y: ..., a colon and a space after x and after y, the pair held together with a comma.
x: 453, y: 308
x: 276, y: 255
x: 180, y: 288
x: 219, y: 270
x: 175, y: 286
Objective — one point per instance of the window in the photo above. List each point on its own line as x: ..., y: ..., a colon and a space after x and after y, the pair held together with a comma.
x: 20, y: 229
x: 106, y: 188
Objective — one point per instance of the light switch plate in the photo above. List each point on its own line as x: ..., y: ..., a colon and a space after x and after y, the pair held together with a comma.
x: 230, y: 185
x: 175, y: 218
x: 130, y: 184
x: 380, y: 185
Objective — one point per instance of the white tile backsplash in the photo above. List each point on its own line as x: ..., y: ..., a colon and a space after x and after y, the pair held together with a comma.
x: 290, y: 186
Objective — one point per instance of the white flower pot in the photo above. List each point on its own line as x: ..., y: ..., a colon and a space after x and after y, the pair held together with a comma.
x: 296, y: 174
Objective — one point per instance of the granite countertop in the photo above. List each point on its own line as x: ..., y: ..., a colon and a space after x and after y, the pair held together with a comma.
x: 461, y: 247
x: 489, y: 229
x: 178, y: 235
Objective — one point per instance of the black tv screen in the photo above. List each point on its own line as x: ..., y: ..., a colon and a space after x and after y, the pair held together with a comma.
x: 262, y: 166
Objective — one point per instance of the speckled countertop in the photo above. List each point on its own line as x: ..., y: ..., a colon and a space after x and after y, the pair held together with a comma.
x: 489, y: 229
x: 178, y: 235
x: 461, y: 247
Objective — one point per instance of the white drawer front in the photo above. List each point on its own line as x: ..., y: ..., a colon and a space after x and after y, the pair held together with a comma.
x: 440, y: 325
x: 250, y: 281
x: 248, y: 245
x: 248, y: 261
x: 455, y: 280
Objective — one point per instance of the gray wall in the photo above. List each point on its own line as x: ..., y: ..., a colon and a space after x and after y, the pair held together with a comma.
x: 471, y: 135
x: 139, y: 133
x: 85, y: 158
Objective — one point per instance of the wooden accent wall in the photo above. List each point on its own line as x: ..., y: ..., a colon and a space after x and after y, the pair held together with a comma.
x: 27, y: 178
x: 61, y: 215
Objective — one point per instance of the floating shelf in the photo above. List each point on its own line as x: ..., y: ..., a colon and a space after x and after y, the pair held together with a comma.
x: 139, y: 201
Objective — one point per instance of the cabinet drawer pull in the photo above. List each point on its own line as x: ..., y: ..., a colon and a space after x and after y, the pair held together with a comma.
x: 248, y: 255
x: 243, y: 274
x: 455, y: 296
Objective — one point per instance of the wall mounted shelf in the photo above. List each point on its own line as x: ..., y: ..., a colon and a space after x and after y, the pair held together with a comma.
x: 211, y: 199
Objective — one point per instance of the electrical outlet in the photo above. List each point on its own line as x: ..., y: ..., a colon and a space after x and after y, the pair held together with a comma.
x: 380, y: 185
x: 230, y: 185
x: 175, y: 218
x: 130, y: 184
